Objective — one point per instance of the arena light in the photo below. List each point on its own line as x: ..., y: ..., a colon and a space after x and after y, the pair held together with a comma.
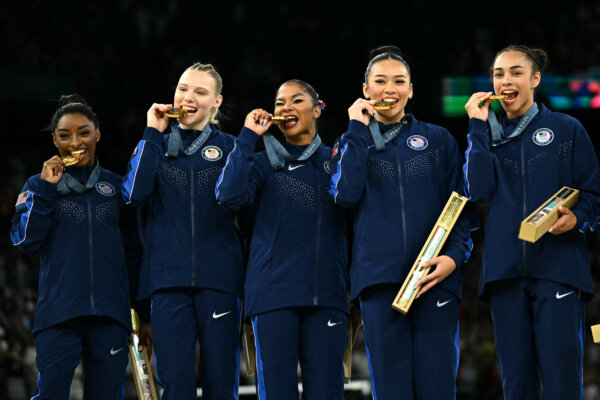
x: 559, y: 92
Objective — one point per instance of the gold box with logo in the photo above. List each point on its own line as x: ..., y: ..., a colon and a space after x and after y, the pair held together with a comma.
x: 431, y: 249
x: 539, y: 221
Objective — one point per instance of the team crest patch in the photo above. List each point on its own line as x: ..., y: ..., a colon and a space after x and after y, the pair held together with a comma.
x: 543, y: 137
x: 105, y: 189
x: 212, y: 153
x: 417, y: 142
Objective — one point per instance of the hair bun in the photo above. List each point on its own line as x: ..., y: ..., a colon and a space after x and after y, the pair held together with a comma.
x: 386, y: 49
x: 71, y: 98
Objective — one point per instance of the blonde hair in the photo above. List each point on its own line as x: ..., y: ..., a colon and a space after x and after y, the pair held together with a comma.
x: 209, y: 69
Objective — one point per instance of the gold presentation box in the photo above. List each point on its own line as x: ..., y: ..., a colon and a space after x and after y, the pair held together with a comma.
x: 539, y: 221
x: 596, y: 333
x: 142, y: 373
x: 430, y: 250
x: 249, y: 348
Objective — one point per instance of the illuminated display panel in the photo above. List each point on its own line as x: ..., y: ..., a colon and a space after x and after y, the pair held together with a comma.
x: 559, y: 92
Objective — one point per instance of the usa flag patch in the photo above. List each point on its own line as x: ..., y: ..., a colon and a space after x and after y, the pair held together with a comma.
x: 22, y: 198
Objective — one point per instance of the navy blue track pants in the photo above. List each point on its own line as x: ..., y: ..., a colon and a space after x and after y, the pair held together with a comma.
x: 182, y: 318
x: 314, y: 336
x: 538, y: 329
x: 412, y: 356
x: 100, y: 343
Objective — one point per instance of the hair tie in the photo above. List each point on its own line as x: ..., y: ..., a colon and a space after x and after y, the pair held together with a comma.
x: 321, y: 104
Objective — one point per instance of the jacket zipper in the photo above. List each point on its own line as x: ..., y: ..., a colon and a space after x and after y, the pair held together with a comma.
x: 403, y: 212
x: 524, y: 183
x: 91, y: 242
x: 318, y: 239
x: 193, y: 217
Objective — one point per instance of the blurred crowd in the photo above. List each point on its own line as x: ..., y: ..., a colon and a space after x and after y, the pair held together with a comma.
x: 124, y: 57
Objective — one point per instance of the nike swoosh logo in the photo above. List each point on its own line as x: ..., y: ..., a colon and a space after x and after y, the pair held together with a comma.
x: 293, y: 167
x: 442, y: 304
x: 560, y: 296
x: 215, y: 315
x: 113, y: 351
x: 329, y: 323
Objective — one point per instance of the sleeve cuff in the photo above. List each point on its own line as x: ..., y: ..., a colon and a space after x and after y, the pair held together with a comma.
x: 43, y: 188
x: 358, y: 133
x: 581, y: 225
x: 458, y: 255
x: 478, y: 127
x: 153, y: 136
x: 248, y: 137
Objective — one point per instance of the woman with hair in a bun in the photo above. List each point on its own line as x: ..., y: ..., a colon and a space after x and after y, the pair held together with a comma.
x: 91, y: 251
x: 397, y: 174
x: 193, y: 260
x: 295, y: 288
x: 536, y: 290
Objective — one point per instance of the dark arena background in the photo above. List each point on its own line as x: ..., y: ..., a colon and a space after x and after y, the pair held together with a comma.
x: 123, y: 56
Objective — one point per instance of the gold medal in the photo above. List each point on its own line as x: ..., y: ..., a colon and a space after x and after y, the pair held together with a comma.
x: 384, y: 104
x: 498, y: 97
x: 72, y: 158
x: 176, y: 112
x: 280, y: 119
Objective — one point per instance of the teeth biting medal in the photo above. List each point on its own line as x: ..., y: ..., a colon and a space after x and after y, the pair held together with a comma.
x: 280, y: 119
x: 72, y: 158
x: 384, y: 104
x: 177, y: 112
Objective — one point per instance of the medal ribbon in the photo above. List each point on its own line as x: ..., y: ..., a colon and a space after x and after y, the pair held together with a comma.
x: 175, y: 146
x: 379, y: 139
x: 278, y: 154
x: 498, y: 131
x: 68, y: 183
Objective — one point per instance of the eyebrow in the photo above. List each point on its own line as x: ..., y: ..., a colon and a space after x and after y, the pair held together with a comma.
x: 513, y: 67
x: 79, y: 128
x: 188, y: 86
x: 293, y: 96
x: 394, y: 76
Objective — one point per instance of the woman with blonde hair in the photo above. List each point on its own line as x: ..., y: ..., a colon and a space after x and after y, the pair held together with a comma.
x: 193, y: 268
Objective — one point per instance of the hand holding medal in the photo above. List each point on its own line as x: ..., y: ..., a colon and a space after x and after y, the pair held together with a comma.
x: 478, y: 105
x: 259, y: 121
x: 157, y: 117
x: 52, y: 170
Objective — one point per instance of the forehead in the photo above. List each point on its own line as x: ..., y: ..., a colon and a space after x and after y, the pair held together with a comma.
x: 511, y: 58
x: 193, y: 78
x: 73, y: 119
x: 389, y: 67
x: 290, y: 89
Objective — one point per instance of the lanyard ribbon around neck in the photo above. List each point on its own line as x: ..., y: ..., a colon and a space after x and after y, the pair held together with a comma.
x: 175, y: 147
x: 68, y: 183
x: 498, y: 131
x: 379, y: 139
x: 278, y: 154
